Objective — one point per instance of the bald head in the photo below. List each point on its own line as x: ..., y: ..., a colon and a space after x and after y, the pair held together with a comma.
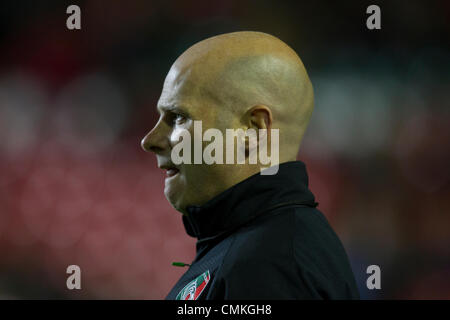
x: 236, y: 71
x: 240, y: 80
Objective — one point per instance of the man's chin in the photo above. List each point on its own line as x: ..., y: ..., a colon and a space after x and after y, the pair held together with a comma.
x: 174, y: 198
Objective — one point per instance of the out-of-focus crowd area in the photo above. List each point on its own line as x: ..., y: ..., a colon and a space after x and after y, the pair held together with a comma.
x: 76, y: 188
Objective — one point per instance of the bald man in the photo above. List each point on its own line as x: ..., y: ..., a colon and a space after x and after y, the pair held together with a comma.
x: 260, y: 236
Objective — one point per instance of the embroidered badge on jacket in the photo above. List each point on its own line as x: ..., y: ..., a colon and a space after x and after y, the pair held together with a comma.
x: 194, y: 288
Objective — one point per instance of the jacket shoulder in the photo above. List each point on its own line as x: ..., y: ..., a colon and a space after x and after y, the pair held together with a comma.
x: 289, y: 254
x: 319, y: 252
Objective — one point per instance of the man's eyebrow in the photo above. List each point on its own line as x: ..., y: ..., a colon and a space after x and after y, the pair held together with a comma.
x: 172, y: 108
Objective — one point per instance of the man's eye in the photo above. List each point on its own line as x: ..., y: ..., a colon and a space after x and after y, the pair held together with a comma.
x: 178, y: 119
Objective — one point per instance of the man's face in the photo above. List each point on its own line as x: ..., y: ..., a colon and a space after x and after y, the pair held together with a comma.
x: 179, y: 106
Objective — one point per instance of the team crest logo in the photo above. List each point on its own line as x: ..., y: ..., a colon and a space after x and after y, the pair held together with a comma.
x: 194, y: 288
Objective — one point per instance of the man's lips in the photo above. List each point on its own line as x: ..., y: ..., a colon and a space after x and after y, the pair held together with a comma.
x: 171, y: 172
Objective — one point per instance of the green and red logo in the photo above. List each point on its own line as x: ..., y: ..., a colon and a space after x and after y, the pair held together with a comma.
x: 194, y: 288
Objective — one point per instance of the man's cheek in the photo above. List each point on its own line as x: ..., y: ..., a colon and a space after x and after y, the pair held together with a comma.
x: 177, y: 136
x: 182, y: 145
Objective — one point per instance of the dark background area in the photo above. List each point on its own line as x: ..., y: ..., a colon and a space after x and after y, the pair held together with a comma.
x: 76, y: 188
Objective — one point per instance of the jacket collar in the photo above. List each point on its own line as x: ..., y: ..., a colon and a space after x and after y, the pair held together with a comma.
x: 249, y: 199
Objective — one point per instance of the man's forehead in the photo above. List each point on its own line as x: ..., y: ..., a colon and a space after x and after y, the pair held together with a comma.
x: 175, y: 82
x: 180, y: 91
x: 169, y: 100
x: 179, y: 74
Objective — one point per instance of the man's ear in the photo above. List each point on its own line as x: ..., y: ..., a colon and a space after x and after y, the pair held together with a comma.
x: 260, y: 117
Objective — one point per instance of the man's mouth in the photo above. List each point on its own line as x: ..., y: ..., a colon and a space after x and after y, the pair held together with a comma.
x: 171, y: 172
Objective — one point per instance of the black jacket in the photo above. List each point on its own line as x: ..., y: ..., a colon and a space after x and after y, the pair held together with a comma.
x: 264, y: 239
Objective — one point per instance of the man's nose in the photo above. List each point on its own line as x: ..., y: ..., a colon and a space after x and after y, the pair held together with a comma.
x: 156, y: 140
